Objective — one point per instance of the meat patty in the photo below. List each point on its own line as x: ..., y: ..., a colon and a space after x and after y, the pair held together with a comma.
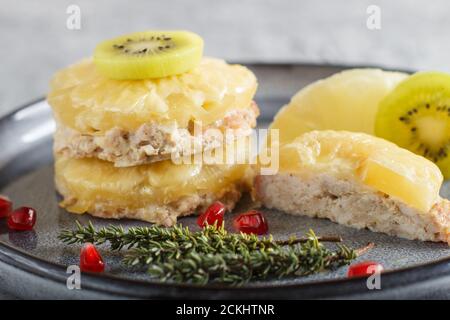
x: 152, y: 141
x: 353, y: 204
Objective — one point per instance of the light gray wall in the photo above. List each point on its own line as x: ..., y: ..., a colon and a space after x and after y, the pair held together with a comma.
x: 36, y: 42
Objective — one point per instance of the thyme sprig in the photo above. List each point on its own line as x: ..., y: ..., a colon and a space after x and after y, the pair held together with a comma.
x: 213, y: 255
x: 248, y: 264
x: 161, y: 243
x: 237, y: 269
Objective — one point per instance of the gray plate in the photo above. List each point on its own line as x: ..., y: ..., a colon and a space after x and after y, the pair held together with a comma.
x: 33, y: 263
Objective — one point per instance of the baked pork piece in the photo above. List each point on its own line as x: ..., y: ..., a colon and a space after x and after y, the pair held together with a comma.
x: 360, y: 181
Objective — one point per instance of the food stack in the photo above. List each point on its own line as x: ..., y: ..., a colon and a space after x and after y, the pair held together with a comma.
x: 129, y: 115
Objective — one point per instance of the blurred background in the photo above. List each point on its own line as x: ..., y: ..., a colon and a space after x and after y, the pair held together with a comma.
x: 36, y: 40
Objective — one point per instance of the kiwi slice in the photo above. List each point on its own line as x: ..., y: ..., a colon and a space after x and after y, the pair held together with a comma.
x: 148, y: 54
x: 416, y: 116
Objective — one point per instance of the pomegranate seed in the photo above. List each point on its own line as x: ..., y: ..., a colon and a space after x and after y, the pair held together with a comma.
x: 365, y: 268
x: 252, y: 221
x: 214, y: 214
x: 5, y: 207
x: 22, y: 219
x: 90, y: 259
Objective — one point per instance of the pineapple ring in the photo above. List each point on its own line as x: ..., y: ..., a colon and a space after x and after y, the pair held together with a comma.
x: 86, y: 101
x: 376, y: 162
x: 146, y: 192
x: 345, y: 101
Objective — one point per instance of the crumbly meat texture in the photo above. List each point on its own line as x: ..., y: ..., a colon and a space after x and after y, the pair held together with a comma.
x: 165, y: 215
x: 353, y: 204
x: 151, y: 142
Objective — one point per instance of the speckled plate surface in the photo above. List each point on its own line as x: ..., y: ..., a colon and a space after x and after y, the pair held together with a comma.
x: 33, y: 264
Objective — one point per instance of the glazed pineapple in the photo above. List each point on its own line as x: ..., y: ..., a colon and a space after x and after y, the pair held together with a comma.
x: 132, y: 122
x: 157, y: 192
x: 361, y: 181
x: 347, y: 100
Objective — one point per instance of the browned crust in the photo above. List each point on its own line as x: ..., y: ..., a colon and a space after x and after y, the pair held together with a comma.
x: 161, y: 214
x: 441, y: 217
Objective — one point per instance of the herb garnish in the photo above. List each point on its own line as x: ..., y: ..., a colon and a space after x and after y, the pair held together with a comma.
x: 213, y: 255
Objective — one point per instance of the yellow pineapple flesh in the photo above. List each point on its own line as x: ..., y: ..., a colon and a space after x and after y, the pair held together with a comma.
x: 345, y: 101
x: 92, y: 181
x: 88, y: 102
x: 375, y: 162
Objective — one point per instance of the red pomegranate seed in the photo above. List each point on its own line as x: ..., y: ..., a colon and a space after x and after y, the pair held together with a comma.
x: 365, y: 268
x: 5, y: 207
x: 90, y: 259
x: 214, y: 214
x: 252, y: 221
x: 22, y: 219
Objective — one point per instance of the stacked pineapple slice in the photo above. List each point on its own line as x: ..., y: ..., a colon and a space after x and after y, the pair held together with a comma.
x: 122, y: 115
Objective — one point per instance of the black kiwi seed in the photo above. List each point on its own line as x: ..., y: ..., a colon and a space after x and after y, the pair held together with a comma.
x: 124, y: 46
x: 434, y: 155
x: 428, y: 152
